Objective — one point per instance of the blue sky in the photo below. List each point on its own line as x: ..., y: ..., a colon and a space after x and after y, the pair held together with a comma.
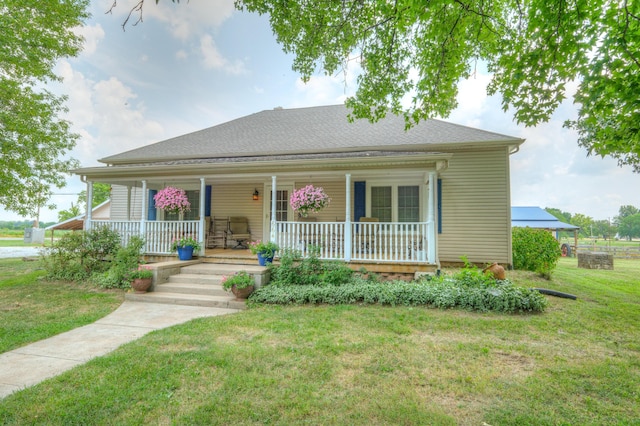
x: 196, y: 64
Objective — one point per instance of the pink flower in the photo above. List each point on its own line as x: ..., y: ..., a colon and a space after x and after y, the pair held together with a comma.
x: 173, y: 200
x: 309, y: 199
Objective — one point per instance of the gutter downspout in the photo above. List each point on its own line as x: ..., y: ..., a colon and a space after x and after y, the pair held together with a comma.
x: 274, y: 195
x: 202, y: 210
x: 143, y: 211
x: 347, y: 220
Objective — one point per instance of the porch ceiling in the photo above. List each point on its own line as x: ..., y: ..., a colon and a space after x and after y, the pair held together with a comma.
x: 250, y: 169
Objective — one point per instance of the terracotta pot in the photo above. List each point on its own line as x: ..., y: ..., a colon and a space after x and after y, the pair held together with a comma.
x: 141, y: 285
x: 496, y: 270
x: 242, y: 293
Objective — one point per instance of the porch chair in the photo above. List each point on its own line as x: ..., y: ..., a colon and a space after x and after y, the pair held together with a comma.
x: 217, y: 235
x: 239, y: 231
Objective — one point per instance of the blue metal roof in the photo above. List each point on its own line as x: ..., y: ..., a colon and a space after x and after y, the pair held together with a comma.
x: 535, y: 217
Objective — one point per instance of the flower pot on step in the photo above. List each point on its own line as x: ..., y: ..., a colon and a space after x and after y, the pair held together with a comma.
x: 263, y: 260
x: 141, y: 285
x: 242, y: 293
x: 185, y: 253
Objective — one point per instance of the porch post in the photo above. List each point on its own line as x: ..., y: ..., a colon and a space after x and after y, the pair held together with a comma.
x: 128, y: 202
x: 431, y: 222
x: 87, y: 225
x: 202, y: 201
x: 347, y: 220
x: 143, y: 210
x: 274, y: 196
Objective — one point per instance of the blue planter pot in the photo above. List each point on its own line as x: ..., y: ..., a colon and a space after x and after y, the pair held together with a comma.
x: 185, y: 253
x: 262, y: 260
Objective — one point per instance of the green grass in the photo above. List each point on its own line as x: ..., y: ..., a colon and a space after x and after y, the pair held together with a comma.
x: 578, y: 363
x: 14, y: 242
x: 32, y: 309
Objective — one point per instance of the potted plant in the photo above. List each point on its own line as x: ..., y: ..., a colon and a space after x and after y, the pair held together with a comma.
x: 185, y: 247
x: 241, y: 284
x: 266, y: 251
x: 172, y: 200
x: 141, y: 279
x: 309, y: 200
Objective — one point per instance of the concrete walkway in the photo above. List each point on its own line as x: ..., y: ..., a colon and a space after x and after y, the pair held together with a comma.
x: 31, y: 364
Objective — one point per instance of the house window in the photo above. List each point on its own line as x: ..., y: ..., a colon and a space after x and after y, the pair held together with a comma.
x: 282, y: 205
x: 193, y: 214
x: 395, y: 203
x: 408, y: 204
x: 381, y: 206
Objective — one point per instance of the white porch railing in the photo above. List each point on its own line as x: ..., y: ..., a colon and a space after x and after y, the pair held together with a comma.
x: 159, y: 235
x: 370, y: 241
x: 378, y: 242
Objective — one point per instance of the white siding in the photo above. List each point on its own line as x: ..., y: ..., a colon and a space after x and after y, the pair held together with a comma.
x: 119, y: 203
x: 476, y: 208
x: 236, y: 200
x: 336, y: 190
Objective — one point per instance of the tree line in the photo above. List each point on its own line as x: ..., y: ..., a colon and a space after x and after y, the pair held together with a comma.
x: 625, y: 225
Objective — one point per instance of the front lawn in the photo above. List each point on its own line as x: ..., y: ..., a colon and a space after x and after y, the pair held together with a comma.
x: 32, y: 309
x: 577, y: 363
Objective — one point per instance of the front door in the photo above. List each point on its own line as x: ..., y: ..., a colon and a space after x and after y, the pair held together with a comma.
x: 284, y: 212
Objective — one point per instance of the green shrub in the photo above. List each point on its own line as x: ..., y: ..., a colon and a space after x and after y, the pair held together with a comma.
x: 127, y: 260
x: 443, y: 293
x: 535, y: 250
x: 78, y: 255
x: 295, y: 270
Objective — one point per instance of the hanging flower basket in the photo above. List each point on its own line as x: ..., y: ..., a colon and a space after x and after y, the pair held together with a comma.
x: 172, y: 200
x: 309, y: 200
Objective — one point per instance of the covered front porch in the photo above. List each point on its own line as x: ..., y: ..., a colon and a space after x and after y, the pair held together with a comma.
x: 382, y: 210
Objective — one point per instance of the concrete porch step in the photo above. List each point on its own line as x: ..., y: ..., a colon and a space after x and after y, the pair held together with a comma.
x: 214, y: 279
x: 220, y: 268
x: 229, y: 302
x: 191, y: 288
x: 197, y: 285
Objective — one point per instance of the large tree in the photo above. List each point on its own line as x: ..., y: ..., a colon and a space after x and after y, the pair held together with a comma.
x: 423, y: 49
x: 630, y: 226
x: 34, y: 139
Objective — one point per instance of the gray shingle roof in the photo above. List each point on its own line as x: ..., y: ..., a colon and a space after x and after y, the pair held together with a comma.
x: 324, y: 129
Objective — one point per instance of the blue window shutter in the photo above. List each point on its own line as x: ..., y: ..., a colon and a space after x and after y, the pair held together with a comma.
x: 359, y: 200
x: 439, y: 206
x: 151, y: 209
x: 207, y: 200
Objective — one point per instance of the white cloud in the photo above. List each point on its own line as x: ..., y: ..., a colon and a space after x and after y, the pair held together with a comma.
x: 188, y: 19
x: 92, y: 34
x: 213, y: 59
x: 181, y: 54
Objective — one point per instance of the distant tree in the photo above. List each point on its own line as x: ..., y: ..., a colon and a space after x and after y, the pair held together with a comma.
x: 101, y: 193
x: 630, y: 226
x: 560, y: 215
x: 625, y: 211
x: 34, y: 139
x: 564, y: 217
x: 72, y: 212
x: 604, y: 229
x: 584, y: 222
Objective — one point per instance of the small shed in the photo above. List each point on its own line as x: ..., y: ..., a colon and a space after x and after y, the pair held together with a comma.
x: 536, y: 217
x: 99, y: 212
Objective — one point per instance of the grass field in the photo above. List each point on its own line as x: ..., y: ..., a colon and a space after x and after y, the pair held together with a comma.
x: 32, y: 309
x: 576, y: 364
